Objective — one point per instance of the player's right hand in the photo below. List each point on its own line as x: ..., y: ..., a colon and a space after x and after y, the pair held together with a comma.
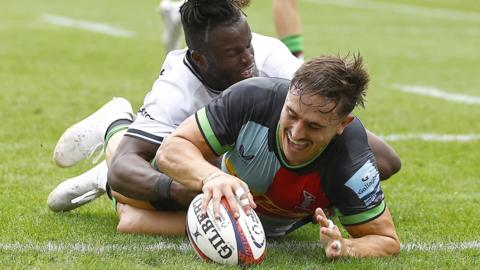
x: 230, y: 187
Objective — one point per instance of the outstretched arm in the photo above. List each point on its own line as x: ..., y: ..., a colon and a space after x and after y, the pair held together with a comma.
x: 131, y: 174
x: 184, y: 156
x: 375, y: 238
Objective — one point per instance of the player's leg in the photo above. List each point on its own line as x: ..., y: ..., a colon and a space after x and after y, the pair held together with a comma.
x: 119, y: 198
x: 83, y: 139
x: 161, y: 218
x: 79, y: 190
x: 388, y: 161
x: 288, y: 25
x: 136, y: 220
x: 104, y: 127
x: 172, y: 25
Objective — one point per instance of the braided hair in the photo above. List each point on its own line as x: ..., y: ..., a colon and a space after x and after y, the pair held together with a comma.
x: 201, y: 16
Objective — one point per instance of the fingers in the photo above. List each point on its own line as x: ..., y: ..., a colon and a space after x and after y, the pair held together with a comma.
x: 322, y: 218
x: 334, y: 250
x: 207, y: 195
x: 217, y: 196
x: 245, y: 197
x: 329, y: 230
x: 336, y: 245
x: 239, y: 192
x: 330, y: 224
x: 235, y: 192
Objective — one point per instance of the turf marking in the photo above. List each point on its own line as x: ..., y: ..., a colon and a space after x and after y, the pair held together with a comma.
x: 185, y: 246
x: 441, y: 13
x: 431, y: 137
x: 437, y: 93
x: 86, y: 25
x: 441, y: 246
x: 87, y: 248
x: 19, y: 146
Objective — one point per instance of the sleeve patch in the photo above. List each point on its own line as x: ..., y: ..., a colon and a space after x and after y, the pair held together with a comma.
x: 365, y: 182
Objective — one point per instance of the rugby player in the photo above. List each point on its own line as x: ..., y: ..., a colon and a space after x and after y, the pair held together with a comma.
x: 285, y: 18
x: 221, y: 51
x: 290, y: 149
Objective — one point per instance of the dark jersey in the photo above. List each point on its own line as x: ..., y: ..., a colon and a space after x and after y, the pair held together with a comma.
x: 242, y: 123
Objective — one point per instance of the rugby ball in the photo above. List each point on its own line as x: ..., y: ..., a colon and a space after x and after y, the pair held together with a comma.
x: 226, y: 240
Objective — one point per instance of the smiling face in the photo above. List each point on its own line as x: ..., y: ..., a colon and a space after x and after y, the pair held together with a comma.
x: 307, y: 124
x: 228, y: 56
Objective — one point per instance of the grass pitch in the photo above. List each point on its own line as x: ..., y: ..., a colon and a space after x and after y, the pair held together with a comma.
x: 52, y: 76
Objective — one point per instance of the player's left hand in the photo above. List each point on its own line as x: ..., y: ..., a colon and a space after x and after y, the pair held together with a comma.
x: 330, y: 236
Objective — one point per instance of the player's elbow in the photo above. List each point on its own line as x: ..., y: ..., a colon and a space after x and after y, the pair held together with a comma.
x: 164, y: 154
x: 392, y: 247
x: 389, y: 166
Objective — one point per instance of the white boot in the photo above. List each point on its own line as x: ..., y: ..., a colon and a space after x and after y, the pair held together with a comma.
x: 86, y: 137
x: 79, y: 190
x: 172, y: 24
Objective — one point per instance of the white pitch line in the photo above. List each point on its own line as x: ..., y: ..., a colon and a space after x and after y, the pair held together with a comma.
x: 185, y: 246
x: 437, y: 93
x: 87, y: 248
x: 441, y: 246
x: 403, y: 9
x: 86, y: 25
x: 431, y: 137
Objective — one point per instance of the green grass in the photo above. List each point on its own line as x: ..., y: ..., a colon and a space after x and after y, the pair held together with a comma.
x: 51, y: 77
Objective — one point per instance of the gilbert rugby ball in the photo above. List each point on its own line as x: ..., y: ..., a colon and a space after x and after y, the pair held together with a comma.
x: 226, y: 240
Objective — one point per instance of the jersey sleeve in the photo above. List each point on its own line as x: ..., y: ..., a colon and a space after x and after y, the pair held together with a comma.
x: 274, y: 58
x: 164, y: 108
x: 249, y: 100
x: 356, y: 192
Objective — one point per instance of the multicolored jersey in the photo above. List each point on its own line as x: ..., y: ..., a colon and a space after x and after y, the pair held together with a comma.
x: 180, y: 91
x: 242, y: 124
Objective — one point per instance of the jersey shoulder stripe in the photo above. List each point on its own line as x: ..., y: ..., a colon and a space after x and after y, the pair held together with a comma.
x: 208, y: 134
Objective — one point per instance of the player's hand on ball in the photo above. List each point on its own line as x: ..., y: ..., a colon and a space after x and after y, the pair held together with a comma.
x: 230, y: 187
x: 330, y: 237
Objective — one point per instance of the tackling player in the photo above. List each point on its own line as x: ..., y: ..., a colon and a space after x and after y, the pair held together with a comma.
x: 285, y: 17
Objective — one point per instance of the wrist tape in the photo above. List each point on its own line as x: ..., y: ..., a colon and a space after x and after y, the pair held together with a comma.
x: 162, y: 187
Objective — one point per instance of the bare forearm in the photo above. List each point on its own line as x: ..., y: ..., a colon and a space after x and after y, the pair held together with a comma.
x: 371, y: 246
x: 134, y: 177
x: 184, y: 162
x: 375, y: 238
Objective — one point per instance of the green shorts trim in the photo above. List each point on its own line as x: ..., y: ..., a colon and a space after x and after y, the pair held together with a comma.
x: 112, y: 132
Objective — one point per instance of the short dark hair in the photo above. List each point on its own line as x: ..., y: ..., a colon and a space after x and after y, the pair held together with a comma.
x: 342, y: 80
x: 201, y: 16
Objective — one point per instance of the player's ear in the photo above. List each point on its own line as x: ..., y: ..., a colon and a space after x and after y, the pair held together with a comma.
x: 199, y: 59
x: 347, y: 120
